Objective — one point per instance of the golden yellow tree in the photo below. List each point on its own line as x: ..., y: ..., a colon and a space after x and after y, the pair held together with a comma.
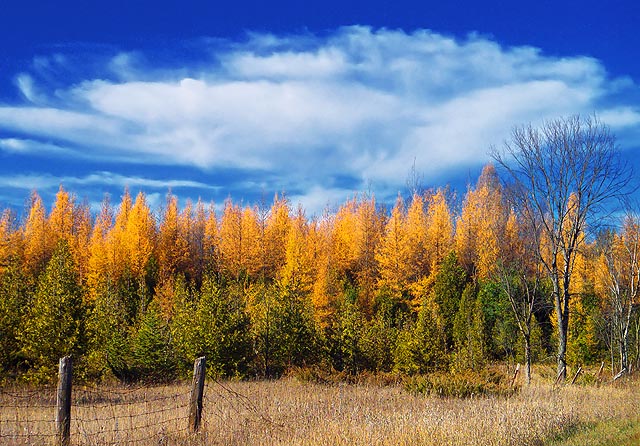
x: 297, y: 273
x: 481, y: 225
x: 5, y: 240
x: 10, y: 239
x: 61, y: 217
x: 439, y: 236
x: 122, y: 217
x: 394, y: 254
x: 370, y: 222
x: 173, y: 248
x: 325, y: 289
x: 417, y: 226
x: 101, y: 258
x: 253, y: 259
x: 116, y: 241
x: 232, y: 243
x: 71, y: 222
x: 37, y: 241
x: 512, y: 239
x: 193, y: 223
x: 139, y: 236
x: 344, y: 247
x: 211, y: 243
x: 274, y: 244
x: 82, y: 231
x: 239, y: 241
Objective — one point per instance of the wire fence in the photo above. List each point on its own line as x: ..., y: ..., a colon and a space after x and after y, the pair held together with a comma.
x: 27, y: 415
x: 99, y: 415
x: 128, y: 415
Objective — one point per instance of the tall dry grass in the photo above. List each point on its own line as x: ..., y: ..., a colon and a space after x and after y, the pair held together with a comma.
x: 289, y: 412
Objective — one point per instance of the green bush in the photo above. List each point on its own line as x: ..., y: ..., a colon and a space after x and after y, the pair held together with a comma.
x: 55, y: 323
x: 324, y: 374
x: 213, y: 323
x: 152, y: 350
x: 16, y: 293
x: 421, y: 348
x: 460, y: 385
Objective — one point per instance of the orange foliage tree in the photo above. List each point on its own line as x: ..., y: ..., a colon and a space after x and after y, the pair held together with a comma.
x: 481, y: 226
x: 38, y: 245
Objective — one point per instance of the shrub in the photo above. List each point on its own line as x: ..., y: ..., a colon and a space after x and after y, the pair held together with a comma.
x: 460, y: 385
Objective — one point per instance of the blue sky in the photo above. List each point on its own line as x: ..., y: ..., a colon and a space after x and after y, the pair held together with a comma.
x: 319, y: 100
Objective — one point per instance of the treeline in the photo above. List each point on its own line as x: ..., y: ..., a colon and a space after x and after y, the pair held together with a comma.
x: 138, y: 294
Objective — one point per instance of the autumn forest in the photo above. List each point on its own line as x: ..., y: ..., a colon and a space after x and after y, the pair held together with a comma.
x: 437, y: 282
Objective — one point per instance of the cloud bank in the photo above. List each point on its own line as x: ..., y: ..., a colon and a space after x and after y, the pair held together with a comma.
x: 311, y: 115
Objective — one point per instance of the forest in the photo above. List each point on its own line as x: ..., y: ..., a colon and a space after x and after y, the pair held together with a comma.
x: 438, y: 282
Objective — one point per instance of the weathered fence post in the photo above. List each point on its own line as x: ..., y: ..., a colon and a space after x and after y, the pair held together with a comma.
x: 197, y: 390
x: 515, y: 375
x: 599, y: 375
x: 560, y: 375
x: 573, y: 381
x: 63, y: 401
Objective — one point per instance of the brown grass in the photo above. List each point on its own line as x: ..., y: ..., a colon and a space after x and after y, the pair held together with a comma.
x: 289, y: 412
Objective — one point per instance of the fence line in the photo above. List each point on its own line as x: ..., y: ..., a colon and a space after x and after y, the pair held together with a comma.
x: 236, y: 402
x: 131, y: 415
x: 99, y: 415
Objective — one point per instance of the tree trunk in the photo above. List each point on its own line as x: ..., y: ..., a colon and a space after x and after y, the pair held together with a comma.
x: 624, y: 356
x: 527, y: 359
x: 624, y: 342
x: 562, y: 319
x: 562, y: 353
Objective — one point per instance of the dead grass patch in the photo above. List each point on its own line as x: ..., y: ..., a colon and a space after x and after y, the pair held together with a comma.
x: 292, y: 412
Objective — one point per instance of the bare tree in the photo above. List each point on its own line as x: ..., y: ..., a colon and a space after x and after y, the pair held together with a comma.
x: 562, y: 175
x: 621, y: 278
x: 519, y: 278
x: 415, y: 180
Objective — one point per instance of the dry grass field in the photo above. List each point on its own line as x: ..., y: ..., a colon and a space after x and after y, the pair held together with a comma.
x: 290, y: 412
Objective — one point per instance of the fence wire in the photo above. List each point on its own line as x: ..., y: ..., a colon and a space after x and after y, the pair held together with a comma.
x: 141, y: 415
x: 99, y: 415
x: 230, y: 415
x: 27, y: 416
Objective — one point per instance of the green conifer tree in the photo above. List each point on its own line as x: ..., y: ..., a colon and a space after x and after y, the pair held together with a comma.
x: 16, y: 293
x: 215, y: 325
x: 151, y: 347
x: 449, y: 284
x: 55, y: 325
x: 469, y: 331
x: 422, y: 348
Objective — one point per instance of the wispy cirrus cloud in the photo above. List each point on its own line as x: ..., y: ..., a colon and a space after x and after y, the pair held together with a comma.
x: 46, y: 181
x: 313, y: 114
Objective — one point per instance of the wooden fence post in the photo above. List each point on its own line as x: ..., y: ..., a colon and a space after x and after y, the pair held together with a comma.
x: 599, y: 375
x: 63, y: 401
x: 197, y: 390
x: 515, y: 375
x: 573, y: 381
x: 562, y: 372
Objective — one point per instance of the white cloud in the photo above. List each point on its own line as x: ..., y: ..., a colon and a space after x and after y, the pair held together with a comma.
x: 318, y: 199
x: 357, y: 104
x: 29, y: 146
x: 621, y: 117
x: 324, y: 63
x: 78, y: 127
x: 46, y: 181
x: 28, y: 89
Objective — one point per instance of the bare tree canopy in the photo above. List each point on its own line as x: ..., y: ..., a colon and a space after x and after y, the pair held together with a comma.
x: 561, y: 177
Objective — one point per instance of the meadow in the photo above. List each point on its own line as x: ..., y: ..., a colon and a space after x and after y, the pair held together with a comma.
x: 289, y: 411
